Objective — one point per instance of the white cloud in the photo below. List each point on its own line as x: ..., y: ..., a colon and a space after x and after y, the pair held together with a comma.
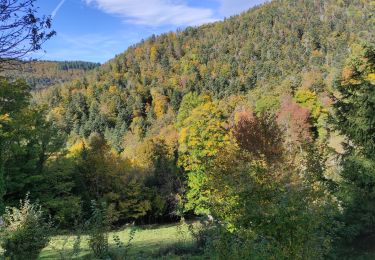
x: 233, y: 7
x: 54, y: 12
x: 155, y: 12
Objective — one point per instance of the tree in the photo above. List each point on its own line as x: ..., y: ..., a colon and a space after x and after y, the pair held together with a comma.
x: 22, y: 31
x: 295, y: 120
x: 14, y: 98
x: 27, y: 141
x: 34, y: 141
x: 164, y: 180
x: 260, y: 135
x: 203, y: 134
x: 188, y: 103
x: 104, y: 176
x: 267, y: 209
x: 354, y: 117
x: 56, y: 190
x: 25, y: 232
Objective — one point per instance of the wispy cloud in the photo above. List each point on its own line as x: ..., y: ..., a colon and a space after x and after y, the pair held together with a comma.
x: 95, y: 47
x: 54, y: 12
x: 233, y: 7
x: 155, y: 12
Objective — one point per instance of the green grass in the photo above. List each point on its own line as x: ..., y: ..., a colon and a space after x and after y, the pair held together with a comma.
x: 149, y: 242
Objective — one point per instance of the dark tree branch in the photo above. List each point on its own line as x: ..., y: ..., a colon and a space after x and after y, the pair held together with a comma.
x: 21, y: 30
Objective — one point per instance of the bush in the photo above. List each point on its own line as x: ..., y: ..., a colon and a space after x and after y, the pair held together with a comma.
x: 25, y: 232
x: 99, y: 226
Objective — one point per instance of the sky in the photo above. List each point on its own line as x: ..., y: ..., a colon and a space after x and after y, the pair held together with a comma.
x: 97, y: 30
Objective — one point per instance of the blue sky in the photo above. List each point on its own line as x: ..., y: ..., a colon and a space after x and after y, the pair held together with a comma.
x: 97, y: 30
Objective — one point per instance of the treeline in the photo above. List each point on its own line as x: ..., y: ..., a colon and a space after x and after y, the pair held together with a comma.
x: 77, y: 65
x: 35, y: 159
x: 44, y: 74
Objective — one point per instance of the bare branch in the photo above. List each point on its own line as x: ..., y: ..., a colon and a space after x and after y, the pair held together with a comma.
x: 21, y: 30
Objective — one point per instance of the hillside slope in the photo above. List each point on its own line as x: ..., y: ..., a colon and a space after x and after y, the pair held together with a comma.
x: 270, y: 50
x: 43, y: 74
x: 260, y: 47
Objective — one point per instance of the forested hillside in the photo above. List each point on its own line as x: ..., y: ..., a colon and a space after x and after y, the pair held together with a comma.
x: 43, y: 74
x: 271, y: 50
x: 263, y: 121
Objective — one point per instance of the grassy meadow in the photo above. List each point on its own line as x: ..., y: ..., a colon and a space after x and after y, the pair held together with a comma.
x: 150, y: 242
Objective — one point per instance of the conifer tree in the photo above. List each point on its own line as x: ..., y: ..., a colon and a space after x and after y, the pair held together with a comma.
x: 355, y: 118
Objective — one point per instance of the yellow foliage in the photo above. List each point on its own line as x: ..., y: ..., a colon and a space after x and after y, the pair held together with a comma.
x: 153, y: 53
x: 173, y: 81
x: 112, y: 89
x: 160, y: 103
x: 170, y: 136
x: 309, y: 99
x: 4, y: 118
x: 203, y: 136
x: 76, y: 149
x: 371, y: 78
x: 58, y: 110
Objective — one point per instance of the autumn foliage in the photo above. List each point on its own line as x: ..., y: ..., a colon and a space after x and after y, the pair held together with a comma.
x: 260, y: 135
x: 295, y: 120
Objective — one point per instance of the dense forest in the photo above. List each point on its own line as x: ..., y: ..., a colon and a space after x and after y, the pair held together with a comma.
x: 44, y: 74
x: 262, y: 123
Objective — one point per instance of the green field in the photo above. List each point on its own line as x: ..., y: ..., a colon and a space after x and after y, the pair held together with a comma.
x: 149, y: 243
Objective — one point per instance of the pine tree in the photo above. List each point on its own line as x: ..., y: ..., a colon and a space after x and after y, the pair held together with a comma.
x: 355, y: 118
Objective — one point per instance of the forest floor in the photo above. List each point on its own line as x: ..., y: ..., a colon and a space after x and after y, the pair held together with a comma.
x: 149, y: 242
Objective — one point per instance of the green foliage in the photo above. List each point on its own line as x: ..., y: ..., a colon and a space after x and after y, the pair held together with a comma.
x: 35, y: 140
x: 14, y: 98
x: 353, y: 109
x: 309, y: 100
x: 44, y: 74
x: 103, y: 175
x: 354, y: 118
x: 165, y: 180
x: 83, y: 65
x: 122, y: 248
x: 26, y: 231
x: 267, y: 104
x: 202, y: 136
x: 99, y: 226
x: 56, y: 191
x: 356, y: 193
x: 268, y: 209
x: 188, y: 103
x: 277, y: 48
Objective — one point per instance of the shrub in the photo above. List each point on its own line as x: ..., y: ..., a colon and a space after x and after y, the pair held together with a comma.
x: 25, y: 232
x: 99, y: 226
